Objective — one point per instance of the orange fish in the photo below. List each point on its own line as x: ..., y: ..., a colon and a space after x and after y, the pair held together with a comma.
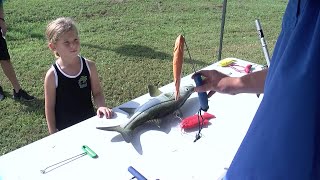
x: 177, y: 64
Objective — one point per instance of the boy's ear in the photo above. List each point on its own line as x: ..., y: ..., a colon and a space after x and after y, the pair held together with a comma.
x: 51, y: 46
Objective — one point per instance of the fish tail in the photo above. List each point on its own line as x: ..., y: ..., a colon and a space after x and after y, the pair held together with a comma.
x: 126, y: 134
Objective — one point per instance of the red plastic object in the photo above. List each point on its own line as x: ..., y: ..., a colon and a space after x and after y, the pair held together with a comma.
x: 192, y: 121
x: 247, y: 69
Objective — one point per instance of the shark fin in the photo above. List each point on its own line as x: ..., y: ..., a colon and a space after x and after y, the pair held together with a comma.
x: 169, y: 95
x: 130, y: 111
x: 154, y: 91
x: 126, y: 134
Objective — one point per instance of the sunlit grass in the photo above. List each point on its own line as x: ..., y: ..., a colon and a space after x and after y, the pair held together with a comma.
x: 131, y: 43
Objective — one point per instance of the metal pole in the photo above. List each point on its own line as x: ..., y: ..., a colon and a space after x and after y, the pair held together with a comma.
x: 263, y: 42
x: 224, y: 11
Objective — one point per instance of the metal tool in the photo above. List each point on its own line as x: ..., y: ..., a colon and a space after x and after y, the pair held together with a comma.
x: 85, y: 148
x: 203, y: 96
x: 263, y: 42
x: 136, y: 174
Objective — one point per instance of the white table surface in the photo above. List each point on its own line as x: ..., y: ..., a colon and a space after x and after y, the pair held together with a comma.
x: 157, y: 153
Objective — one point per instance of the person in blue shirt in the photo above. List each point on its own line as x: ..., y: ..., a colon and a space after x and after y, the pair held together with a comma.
x: 283, y: 140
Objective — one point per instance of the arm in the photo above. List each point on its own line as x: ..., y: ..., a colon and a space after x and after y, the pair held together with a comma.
x: 216, y: 81
x: 50, y: 100
x: 3, y: 25
x: 97, y: 93
x: 253, y: 82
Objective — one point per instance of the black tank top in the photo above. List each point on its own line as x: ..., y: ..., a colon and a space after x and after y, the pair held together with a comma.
x: 73, y: 96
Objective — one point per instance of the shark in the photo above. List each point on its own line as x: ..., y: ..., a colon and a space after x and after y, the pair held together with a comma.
x: 160, y: 105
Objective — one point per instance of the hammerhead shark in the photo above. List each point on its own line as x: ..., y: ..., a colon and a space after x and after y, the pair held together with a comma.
x: 161, y: 105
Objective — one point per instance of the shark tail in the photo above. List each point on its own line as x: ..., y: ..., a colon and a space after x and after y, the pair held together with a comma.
x: 126, y: 134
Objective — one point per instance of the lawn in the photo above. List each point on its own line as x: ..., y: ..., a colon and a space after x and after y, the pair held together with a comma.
x: 131, y: 43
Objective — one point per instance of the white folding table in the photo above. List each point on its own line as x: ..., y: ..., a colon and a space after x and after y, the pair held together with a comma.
x: 164, y: 152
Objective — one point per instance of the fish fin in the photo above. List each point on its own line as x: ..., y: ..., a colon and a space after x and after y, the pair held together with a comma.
x: 169, y: 95
x: 126, y: 134
x: 154, y: 91
x: 130, y: 111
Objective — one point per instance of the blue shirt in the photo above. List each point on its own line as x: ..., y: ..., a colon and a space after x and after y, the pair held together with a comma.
x: 283, y: 139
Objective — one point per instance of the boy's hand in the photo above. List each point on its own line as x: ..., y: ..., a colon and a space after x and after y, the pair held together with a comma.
x: 104, y: 111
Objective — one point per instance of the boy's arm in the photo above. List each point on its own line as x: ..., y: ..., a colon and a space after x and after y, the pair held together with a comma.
x: 97, y: 93
x: 50, y: 100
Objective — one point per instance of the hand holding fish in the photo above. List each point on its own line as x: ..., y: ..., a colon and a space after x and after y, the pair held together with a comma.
x: 215, y: 81
x: 104, y: 111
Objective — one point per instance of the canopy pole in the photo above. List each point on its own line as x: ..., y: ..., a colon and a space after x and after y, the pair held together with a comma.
x: 224, y: 11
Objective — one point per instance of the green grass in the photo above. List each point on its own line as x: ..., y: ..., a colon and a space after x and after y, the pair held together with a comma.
x: 131, y: 43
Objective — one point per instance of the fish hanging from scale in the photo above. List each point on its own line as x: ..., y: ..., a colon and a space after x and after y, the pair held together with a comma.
x: 177, y: 62
x: 160, y: 105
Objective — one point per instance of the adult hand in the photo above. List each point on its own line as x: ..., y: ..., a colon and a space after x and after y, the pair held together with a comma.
x: 104, y: 111
x: 214, y: 81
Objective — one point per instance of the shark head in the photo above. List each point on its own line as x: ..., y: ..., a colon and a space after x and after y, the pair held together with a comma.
x: 186, y: 91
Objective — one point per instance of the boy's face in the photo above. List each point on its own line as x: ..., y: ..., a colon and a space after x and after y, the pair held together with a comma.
x: 68, y: 45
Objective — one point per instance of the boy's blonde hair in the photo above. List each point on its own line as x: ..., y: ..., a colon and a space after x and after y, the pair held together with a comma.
x: 58, y: 27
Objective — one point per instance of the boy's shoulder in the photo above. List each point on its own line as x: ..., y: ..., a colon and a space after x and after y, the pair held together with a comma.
x: 49, y: 79
x: 89, y: 62
x: 50, y: 71
x: 86, y: 59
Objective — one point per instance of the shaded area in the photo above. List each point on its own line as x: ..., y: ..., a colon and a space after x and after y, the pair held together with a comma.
x: 147, y: 52
x: 23, y: 34
x: 94, y: 46
x: 141, y: 51
x: 36, y: 105
x: 165, y: 126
